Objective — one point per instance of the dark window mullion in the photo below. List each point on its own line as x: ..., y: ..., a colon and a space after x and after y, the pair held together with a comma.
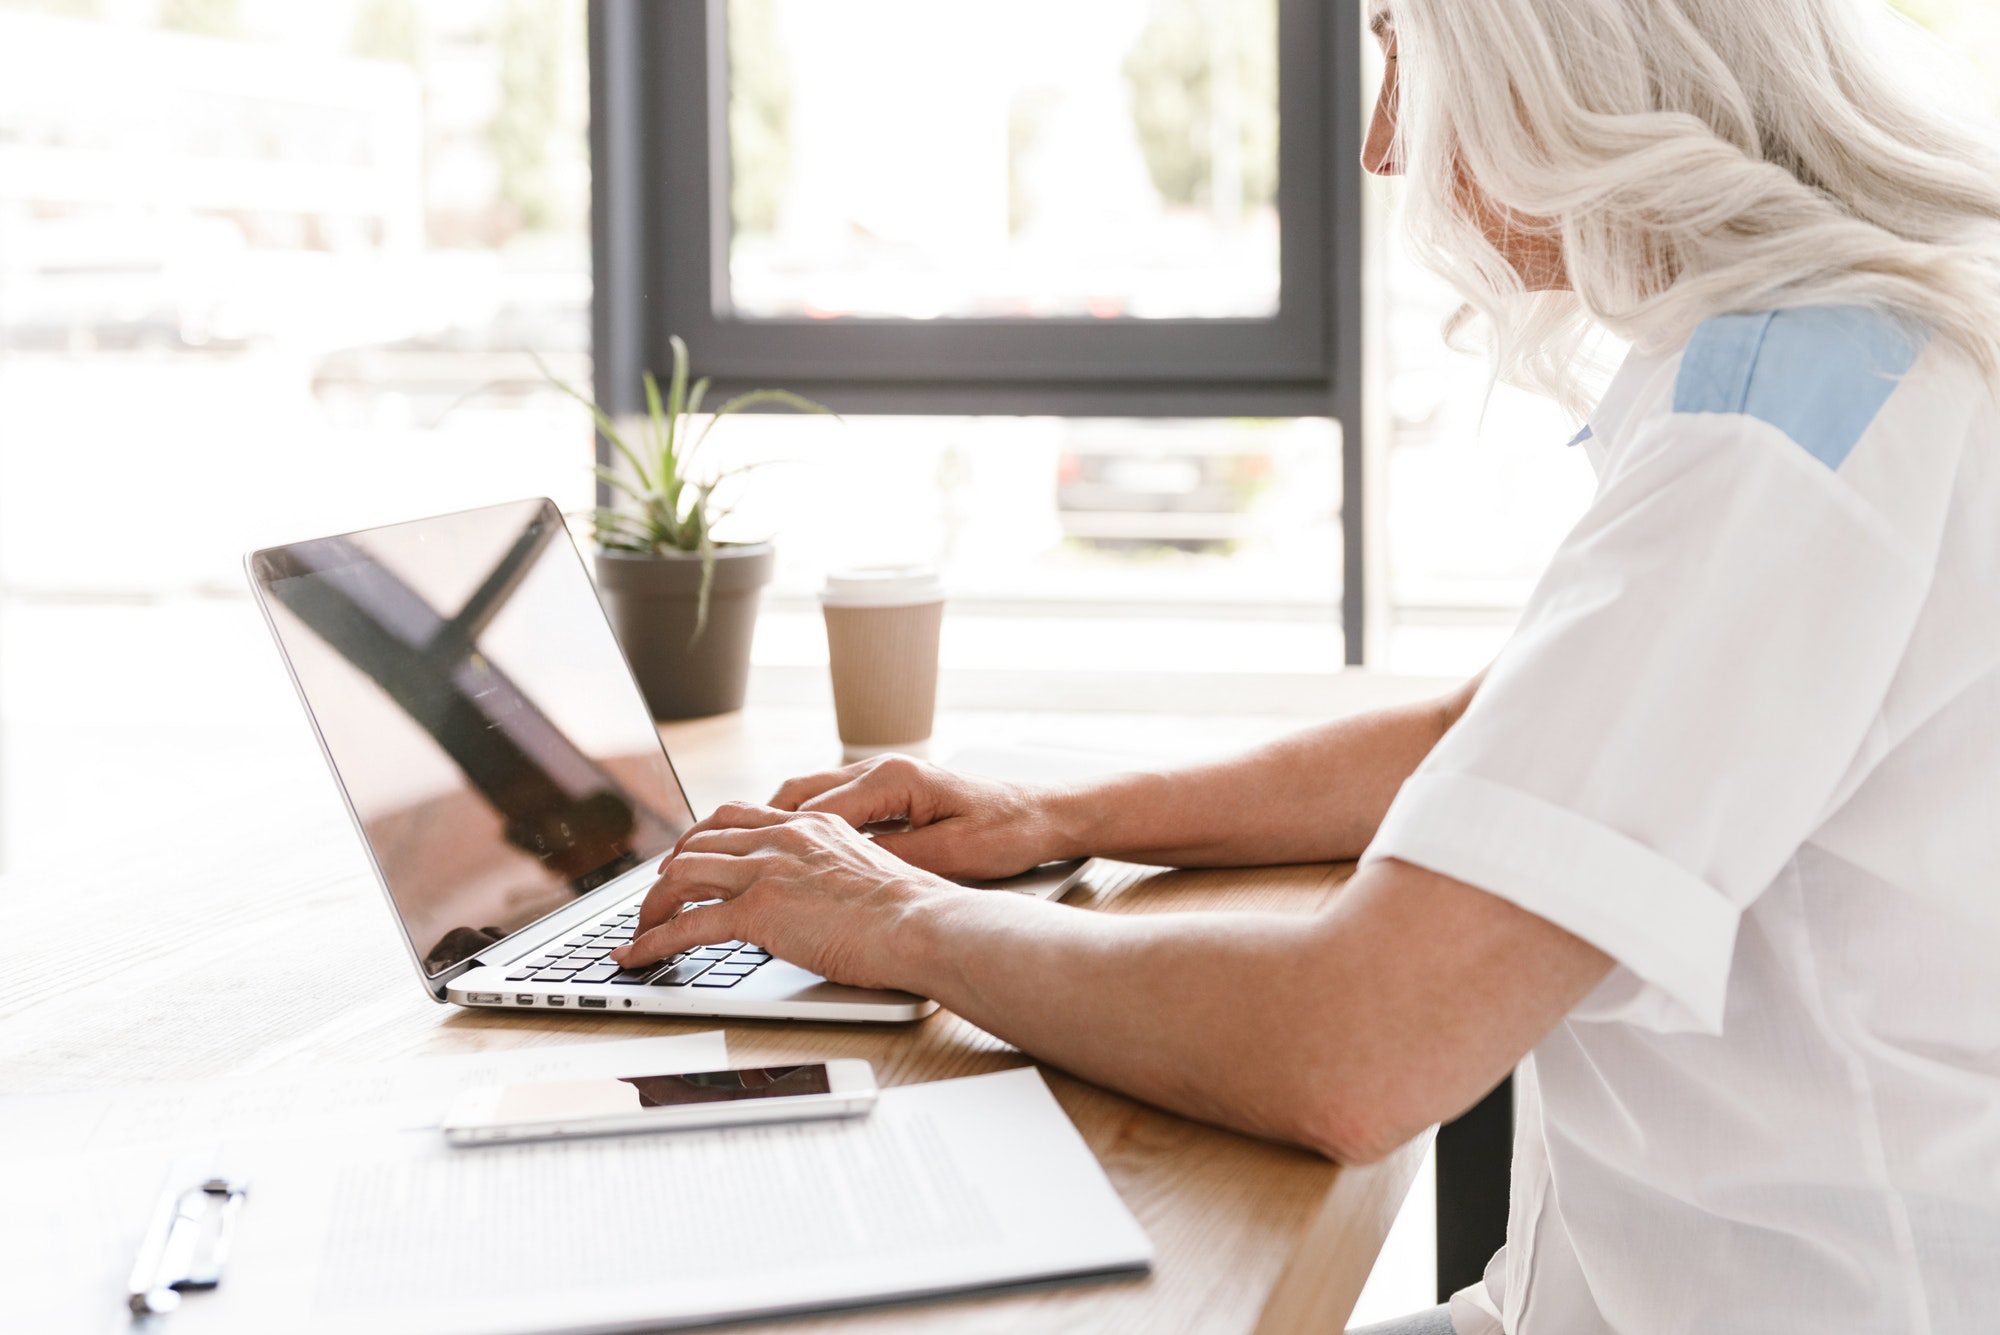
x: 657, y: 75
x: 687, y: 284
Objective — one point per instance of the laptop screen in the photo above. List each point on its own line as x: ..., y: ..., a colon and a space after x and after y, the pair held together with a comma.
x: 479, y: 715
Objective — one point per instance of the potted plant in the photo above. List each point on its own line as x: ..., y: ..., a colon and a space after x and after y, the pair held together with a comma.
x: 682, y: 604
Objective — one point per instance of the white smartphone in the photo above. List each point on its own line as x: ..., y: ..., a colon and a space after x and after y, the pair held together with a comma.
x: 556, y: 1109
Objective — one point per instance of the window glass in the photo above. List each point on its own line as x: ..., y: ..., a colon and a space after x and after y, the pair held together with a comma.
x: 1480, y: 488
x: 1100, y: 545
x: 267, y: 270
x: 1972, y: 27
x: 277, y: 268
x: 1003, y: 158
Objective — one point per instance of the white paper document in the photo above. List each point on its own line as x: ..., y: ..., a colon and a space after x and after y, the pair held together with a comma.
x: 951, y: 1186
x: 326, y: 1100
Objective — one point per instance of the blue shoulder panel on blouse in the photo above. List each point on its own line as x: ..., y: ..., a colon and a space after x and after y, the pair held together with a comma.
x: 1819, y: 374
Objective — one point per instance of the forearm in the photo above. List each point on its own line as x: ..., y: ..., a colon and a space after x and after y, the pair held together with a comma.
x: 1398, y: 1003
x: 1316, y: 796
x: 1348, y: 1031
x: 1177, y: 1009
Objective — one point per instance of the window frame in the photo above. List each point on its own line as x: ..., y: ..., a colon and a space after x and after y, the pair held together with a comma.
x: 658, y: 92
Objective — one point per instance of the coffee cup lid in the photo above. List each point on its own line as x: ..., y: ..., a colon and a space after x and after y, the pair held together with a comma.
x: 882, y: 586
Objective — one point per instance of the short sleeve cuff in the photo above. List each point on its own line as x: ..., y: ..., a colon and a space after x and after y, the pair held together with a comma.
x: 1658, y: 920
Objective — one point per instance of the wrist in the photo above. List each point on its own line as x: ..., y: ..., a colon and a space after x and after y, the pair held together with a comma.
x: 1070, y: 819
x: 921, y: 947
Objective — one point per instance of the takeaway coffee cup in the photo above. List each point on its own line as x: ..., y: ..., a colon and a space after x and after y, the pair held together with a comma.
x: 882, y: 642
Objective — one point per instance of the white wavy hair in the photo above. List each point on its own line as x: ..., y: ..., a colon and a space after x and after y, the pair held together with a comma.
x: 1695, y: 157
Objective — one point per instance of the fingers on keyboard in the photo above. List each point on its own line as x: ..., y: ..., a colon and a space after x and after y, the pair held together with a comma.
x: 584, y: 961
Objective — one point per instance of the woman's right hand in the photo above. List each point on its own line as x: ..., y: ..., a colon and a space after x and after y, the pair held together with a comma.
x: 959, y: 826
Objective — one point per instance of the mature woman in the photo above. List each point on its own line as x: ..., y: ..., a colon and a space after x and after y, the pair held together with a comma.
x: 1709, y: 853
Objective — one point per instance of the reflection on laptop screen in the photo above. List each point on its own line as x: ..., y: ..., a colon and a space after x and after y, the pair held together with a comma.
x: 479, y: 714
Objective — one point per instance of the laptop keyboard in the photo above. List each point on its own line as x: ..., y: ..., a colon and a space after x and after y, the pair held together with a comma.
x: 583, y: 957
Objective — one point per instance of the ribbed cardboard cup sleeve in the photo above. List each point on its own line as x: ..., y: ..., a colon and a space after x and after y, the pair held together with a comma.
x: 885, y: 671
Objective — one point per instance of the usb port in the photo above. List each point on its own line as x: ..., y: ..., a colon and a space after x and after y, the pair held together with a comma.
x: 594, y: 1003
x: 555, y: 1001
x: 483, y: 998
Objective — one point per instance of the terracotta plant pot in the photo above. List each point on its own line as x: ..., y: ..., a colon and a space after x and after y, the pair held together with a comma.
x: 651, y: 601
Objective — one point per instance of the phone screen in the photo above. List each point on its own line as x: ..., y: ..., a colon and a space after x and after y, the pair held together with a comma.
x: 762, y: 1082
x: 609, y: 1098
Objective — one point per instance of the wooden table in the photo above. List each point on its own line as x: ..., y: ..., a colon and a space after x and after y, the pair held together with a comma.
x: 201, y: 959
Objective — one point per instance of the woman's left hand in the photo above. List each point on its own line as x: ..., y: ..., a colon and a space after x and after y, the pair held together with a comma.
x: 806, y: 886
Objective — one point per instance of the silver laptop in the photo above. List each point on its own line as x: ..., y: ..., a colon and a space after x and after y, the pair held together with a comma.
x: 505, y: 773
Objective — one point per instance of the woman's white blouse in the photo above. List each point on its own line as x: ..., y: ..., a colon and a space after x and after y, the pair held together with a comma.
x: 1747, y: 742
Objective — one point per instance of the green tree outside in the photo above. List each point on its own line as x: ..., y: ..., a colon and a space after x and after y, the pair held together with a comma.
x: 1930, y: 13
x: 1194, y: 62
x: 388, y: 30
x: 760, y: 116
x: 532, y: 44
x: 69, y: 9
x: 209, y: 18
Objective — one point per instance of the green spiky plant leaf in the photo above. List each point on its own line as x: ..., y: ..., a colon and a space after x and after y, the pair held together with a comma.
x: 663, y: 501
